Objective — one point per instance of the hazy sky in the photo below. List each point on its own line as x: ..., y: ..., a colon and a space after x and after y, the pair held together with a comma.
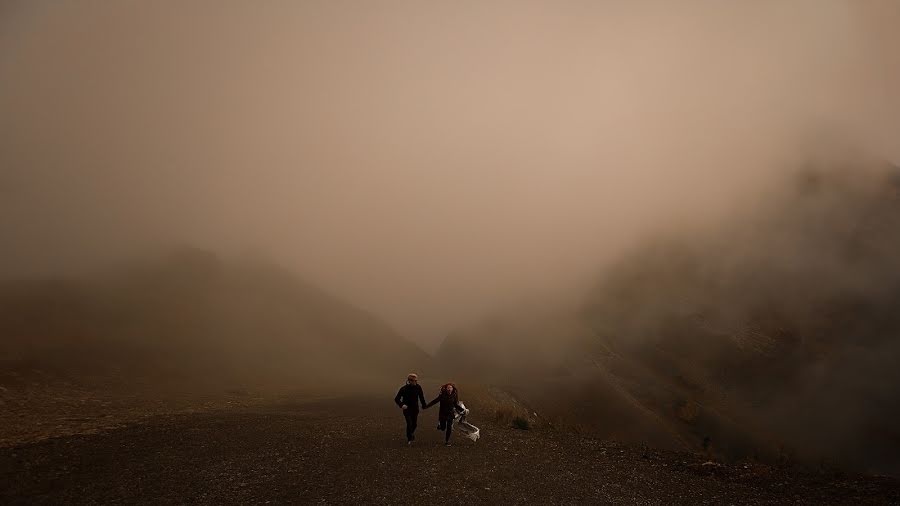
x: 427, y: 160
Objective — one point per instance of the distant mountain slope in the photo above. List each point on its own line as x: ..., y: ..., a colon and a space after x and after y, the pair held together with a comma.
x: 193, y: 315
x: 776, y: 335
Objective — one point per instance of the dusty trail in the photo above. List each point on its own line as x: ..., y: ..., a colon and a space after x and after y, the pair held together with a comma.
x: 352, y: 450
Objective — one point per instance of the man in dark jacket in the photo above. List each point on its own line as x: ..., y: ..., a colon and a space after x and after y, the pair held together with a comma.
x: 408, y: 398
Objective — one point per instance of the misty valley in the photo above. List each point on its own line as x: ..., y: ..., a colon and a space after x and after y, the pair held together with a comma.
x: 767, y: 343
x: 478, y: 252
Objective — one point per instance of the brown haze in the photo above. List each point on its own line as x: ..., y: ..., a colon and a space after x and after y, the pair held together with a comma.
x: 656, y: 224
x: 429, y: 162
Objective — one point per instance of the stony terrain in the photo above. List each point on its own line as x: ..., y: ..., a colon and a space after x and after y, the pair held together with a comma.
x: 352, y: 450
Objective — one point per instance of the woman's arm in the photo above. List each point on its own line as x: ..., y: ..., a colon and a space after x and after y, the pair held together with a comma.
x: 435, y: 401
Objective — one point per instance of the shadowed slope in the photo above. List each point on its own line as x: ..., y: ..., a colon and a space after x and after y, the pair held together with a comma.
x: 194, y: 316
x: 774, y: 336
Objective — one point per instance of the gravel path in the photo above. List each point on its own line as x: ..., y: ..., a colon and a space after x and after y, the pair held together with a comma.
x: 352, y: 450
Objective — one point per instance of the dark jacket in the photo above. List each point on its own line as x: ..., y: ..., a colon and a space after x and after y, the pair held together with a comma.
x: 411, y: 395
x: 449, y: 402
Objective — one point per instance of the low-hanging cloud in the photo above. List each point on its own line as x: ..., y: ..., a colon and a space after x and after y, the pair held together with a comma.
x: 426, y: 161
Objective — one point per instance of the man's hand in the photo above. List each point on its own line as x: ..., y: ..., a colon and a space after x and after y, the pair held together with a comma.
x: 403, y: 406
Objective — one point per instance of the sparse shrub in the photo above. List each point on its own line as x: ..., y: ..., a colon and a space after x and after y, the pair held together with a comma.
x: 505, y: 413
x: 687, y: 411
x: 520, y: 423
x: 785, y: 457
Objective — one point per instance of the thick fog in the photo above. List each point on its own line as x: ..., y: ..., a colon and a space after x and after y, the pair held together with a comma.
x: 426, y: 161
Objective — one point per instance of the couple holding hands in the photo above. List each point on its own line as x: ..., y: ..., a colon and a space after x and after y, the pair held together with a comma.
x: 411, y: 395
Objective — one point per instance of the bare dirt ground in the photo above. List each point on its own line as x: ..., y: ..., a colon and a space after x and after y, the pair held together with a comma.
x: 352, y: 450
